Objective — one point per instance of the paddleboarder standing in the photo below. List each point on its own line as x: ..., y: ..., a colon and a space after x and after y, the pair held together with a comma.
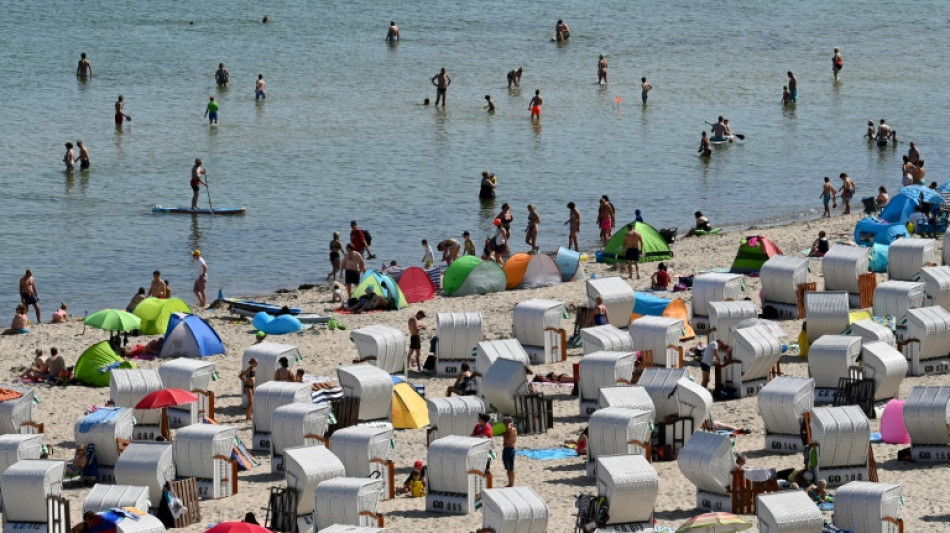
x: 196, y: 182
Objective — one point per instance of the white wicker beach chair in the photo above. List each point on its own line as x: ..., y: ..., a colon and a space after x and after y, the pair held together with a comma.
x: 383, y: 346
x: 905, y: 258
x: 149, y: 465
x: 788, y: 512
x: 374, y: 388
x: 103, y: 497
x: 862, y: 507
x: 605, y: 339
x: 661, y: 335
x: 618, y: 298
x: 514, y: 510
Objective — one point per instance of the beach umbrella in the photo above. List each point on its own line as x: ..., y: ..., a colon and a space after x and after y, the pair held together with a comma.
x: 155, y: 313
x: 113, y: 320
x: 166, y: 398
x: 715, y: 523
x: 773, y: 327
x: 237, y: 527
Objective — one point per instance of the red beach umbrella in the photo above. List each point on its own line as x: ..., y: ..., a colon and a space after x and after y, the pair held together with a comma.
x: 166, y: 398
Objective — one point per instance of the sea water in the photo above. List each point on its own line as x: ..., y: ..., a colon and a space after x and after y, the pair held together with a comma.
x: 342, y: 134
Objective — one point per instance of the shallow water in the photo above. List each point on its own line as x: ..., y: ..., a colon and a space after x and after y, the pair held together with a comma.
x: 342, y: 136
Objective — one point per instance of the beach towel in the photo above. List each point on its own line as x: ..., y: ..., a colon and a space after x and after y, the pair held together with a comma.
x: 326, y: 395
x: 244, y: 459
x: 548, y: 454
x: 102, y: 415
x: 876, y: 438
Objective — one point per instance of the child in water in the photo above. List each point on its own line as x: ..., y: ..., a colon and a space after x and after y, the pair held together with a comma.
x: 491, y: 105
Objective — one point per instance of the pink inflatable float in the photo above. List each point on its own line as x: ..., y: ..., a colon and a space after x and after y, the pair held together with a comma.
x: 892, y: 423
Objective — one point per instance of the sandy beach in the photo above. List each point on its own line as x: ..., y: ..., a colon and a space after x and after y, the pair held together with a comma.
x: 557, y: 482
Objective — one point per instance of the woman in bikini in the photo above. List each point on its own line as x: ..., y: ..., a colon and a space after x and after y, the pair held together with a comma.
x: 247, y: 378
x: 283, y: 372
x: 336, y: 253
x: 600, y: 313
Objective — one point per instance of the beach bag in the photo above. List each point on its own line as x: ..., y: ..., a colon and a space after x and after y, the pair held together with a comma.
x: 367, y: 237
x: 668, y: 234
x: 429, y: 364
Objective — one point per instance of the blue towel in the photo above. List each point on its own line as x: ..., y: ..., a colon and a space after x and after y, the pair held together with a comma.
x: 97, y: 417
x: 876, y: 438
x: 548, y: 454
x: 826, y: 506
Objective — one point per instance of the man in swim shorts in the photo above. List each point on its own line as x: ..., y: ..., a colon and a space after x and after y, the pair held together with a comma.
x: 119, y: 111
x: 211, y: 112
x: 83, y: 156
x: 393, y: 34
x: 847, y: 192
x: 644, y: 89
x: 28, y: 293
x: 441, y: 82
x: 633, y: 246
x: 793, y: 86
x: 415, y: 340
x: 196, y: 174
x: 719, y: 132
x: 535, y: 105
x: 222, y: 77
x: 353, y: 268
x: 828, y: 194
x: 259, y: 89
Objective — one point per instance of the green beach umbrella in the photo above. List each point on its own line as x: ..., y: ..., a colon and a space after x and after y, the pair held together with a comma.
x: 113, y: 320
x: 155, y: 313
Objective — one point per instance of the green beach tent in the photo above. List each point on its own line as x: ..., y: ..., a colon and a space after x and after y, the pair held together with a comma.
x: 471, y: 275
x: 654, y: 246
x: 94, y: 365
x: 753, y: 253
x: 155, y: 313
x: 381, y: 284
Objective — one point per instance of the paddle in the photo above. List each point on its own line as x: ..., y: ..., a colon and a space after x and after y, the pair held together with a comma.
x: 208, y: 189
x: 739, y: 136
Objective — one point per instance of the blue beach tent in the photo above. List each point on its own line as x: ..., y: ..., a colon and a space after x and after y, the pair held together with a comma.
x: 190, y: 336
x: 873, y: 230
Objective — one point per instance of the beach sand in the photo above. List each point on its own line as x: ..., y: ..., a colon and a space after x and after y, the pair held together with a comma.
x: 926, y: 498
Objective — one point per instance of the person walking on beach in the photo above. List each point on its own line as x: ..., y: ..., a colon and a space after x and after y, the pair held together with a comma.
x: 606, y: 218
x: 84, y: 69
x: 83, y: 155
x: 415, y: 339
x: 248, y: 382
x: 509, y: 443
x: 441, y: 82
x: 359, y: 240
x: 392, y: 35
x: 28, y: 293
x: 70, y: 158
x: 574, y: 225
x: 428, y: 257
x: 336, y: 253
x: 828, y: 194
x: 514, y: 77
x: 196, y: 182
x: 468, y: 244
x: 259, y: 88
x: 633, y: 249
x: 602, y: 70
x: 221, y: 76
x: 211, y: 111
x: 120, y: 115
x: 837, y: 63
x: 645, y: 88
x: 500, y: 242
x: 201, y: 279
x: 535, y: 105
x: 531, y: 233
x: 793, y: 86
x: 353, y: 268
x: 847, y: 192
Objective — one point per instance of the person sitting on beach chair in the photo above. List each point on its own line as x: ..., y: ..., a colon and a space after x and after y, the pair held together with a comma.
x: 79, y: 463
x: 464, y: 383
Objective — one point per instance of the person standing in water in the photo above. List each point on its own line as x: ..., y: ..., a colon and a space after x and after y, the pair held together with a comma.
x: 84, y: 69
x: 487, y: 189
x: 259, y: 88
x: 392, y: 35
x: 837, y: 62
x: 705, y: 147
x: 222, y: 77
x: 793, y: 86
x: 574, y: 223
x: 535, y: 105
x: 69, y: 159
x: 644, y: 89
x: 847, y: 191
x: 561, y: 32
x: 336, y: 253
x: 441, y: 82
x: 514, y: 77
x: 83, y: 156
x: 28, y: 293
x: 602, y: 70
x: 211, y: 111
x: 531, y: 233
x: 491, y: 105
x: 196, y: 174
x: 828, y: 195
x: 120, y: 115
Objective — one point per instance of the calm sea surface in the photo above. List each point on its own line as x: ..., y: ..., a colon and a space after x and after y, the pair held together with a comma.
x: 342, y: 136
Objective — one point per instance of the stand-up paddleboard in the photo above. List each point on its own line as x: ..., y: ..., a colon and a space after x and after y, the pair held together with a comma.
x: 190, y: 211
x: 720, y: 140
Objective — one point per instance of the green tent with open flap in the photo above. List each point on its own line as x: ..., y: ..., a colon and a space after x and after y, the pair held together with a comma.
x: 471, y: 275
x: 654, y: 245
x: 382, y: 285
x: 96, y: 363
x: 753, y: 253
